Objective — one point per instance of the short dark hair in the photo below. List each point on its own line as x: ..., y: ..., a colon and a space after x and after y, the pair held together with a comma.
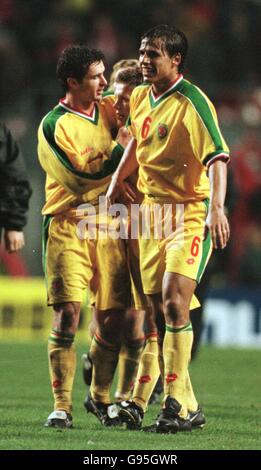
x: 173, y: 41
x: 130, y: 76
x: 74, y: 62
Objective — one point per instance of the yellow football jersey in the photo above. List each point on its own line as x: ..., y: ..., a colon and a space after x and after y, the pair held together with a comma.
x: 78, y: 154
x: 178, y: 137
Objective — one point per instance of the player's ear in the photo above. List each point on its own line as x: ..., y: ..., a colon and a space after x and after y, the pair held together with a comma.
x: 72, y: 82
x: 176, y: 59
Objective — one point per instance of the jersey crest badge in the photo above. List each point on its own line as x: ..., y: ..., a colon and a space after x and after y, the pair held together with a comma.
x: 162, y: 131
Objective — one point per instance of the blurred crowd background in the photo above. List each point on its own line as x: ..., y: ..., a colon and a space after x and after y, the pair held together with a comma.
x: 224, y: 60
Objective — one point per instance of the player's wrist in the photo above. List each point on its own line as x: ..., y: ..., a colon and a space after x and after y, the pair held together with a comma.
x: 216, y: 206
x: 116, y: 179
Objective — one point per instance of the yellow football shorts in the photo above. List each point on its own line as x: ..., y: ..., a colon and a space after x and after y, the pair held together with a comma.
x: 138, y: 297
x: 171, y: 239
x: 73, y: 264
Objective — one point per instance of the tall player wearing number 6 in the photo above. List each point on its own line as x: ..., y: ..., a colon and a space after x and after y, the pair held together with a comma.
x: 182, y: 159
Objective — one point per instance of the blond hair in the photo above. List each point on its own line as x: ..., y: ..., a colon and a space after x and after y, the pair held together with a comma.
x: 121, y: 64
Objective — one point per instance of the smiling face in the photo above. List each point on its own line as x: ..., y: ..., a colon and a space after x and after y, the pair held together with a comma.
x: 122, y: 92
x: 157, y: 66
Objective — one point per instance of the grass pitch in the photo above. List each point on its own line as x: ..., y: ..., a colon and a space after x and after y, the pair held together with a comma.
x: 227, y: 383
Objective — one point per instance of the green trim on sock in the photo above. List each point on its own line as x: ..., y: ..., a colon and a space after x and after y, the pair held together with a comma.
x: 184, y: 329
x: 63, y: 335
x: 61, y: 339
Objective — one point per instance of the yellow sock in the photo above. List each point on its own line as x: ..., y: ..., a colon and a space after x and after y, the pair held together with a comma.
x: 148, y: 373
x: 129, y: 358
x: 62, y: 366
x: 161, y: 360
x: 104, y: 356
x: 192, y: 403
x: 176, y: 351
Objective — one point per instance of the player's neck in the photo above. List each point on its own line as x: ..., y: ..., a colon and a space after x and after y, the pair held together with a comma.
x: 165, y: 84
x: 77, y: 105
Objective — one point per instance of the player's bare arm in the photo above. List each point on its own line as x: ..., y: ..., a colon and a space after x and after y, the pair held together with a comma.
x: 126, y: 167
x: 217, y: 222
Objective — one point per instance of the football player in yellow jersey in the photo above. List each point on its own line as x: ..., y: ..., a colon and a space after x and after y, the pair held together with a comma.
x: 78, y: 154
x: 182, y: 160
x: 148, y: 366
x: 126, y: 77
x: 148, y: 372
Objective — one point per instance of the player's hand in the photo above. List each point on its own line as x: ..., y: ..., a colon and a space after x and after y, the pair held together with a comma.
x: 13, y: 240
x: 128, y: 193
x: 218, y: 226
x: 120, y: 192
x: 112, y: 192
x: 123, y: 136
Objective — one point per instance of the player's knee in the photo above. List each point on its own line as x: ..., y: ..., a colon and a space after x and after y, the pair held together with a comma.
x: 110, y: 325
x: 92, y: 327
x: 67, y: 316
x: 133, y: 329
x: 134, y: 319
x: 174, y: 310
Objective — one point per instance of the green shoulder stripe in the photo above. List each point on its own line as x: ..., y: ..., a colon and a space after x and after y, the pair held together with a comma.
x: 107, y: 93
x: 109, y: 165
x: 201, y: 105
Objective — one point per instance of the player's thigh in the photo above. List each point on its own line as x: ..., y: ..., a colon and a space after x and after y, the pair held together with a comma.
x: 68, y: 264
x: 114, y: 281
x: 139, y: 299
x: 188, y: 252
x: 152, y: 265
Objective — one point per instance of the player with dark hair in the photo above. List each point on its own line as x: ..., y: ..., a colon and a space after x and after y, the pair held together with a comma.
x: 78, y: 154
x: 182, y: 159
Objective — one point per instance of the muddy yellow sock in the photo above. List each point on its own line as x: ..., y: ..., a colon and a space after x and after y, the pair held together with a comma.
x: 148, y: 373
x: 104, y: 356
x: 129, y: 358
x: 62, y: 366
x: 161, y: 360
x: 192, y: 403
x: 177, y: 351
